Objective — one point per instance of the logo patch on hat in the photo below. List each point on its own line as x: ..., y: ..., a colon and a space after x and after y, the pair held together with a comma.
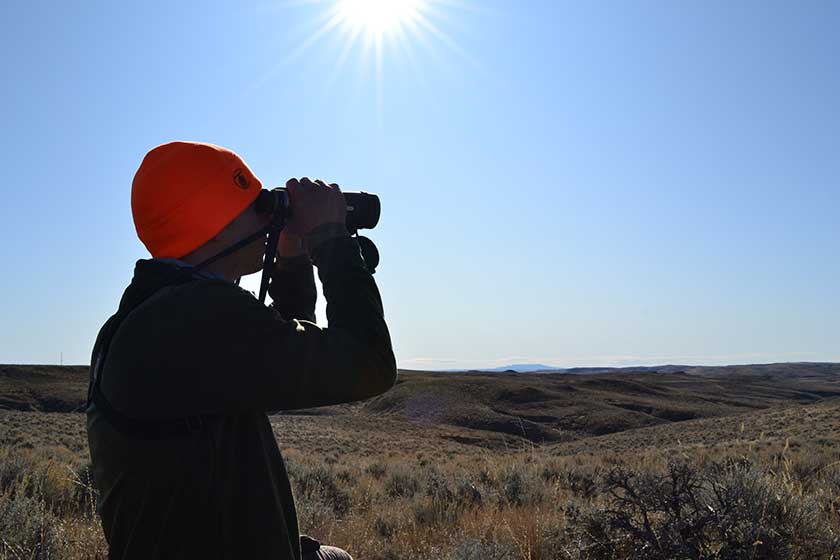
x: 241, y: 179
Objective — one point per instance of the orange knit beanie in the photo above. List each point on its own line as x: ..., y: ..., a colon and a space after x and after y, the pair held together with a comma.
x: 184, y: 193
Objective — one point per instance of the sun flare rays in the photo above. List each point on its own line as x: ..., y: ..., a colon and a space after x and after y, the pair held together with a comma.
x: 375, y: 30
x: 407, y: 39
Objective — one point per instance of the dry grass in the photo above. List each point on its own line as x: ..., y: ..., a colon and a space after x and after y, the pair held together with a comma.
x: 535, y: 506
x: 47, y: 506
x: 765, y: 484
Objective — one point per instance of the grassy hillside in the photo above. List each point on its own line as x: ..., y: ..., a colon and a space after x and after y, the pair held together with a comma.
x: 537, y: 407
x: 705, y: 463
x: 562, y: 407
x: 44, y: 388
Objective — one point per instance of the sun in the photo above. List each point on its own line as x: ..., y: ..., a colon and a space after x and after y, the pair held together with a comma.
x: 385, y: 34
x: 377, y: 17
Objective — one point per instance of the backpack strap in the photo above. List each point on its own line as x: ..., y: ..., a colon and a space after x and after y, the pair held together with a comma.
x: 133, y: 427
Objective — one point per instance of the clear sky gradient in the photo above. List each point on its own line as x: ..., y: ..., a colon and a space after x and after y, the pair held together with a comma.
x: 592, y: 183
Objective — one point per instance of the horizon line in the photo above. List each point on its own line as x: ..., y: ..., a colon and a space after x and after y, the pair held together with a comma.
x: 546, y: 368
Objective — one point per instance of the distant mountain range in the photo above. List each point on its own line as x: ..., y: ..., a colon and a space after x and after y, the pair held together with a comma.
x: 543, y: 368
x: 790, y: 369
x: 517, y: 368
x: 521, y: 368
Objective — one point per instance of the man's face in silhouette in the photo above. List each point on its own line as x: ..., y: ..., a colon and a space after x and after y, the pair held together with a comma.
x: 248, y: 259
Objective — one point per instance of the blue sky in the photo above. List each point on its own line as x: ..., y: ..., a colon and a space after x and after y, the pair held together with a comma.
x: 593, y: 183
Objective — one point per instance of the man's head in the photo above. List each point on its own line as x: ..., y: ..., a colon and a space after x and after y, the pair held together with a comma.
x: 190, y: 200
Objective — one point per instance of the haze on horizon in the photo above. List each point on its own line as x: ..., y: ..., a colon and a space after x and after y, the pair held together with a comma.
x: 575, y: 184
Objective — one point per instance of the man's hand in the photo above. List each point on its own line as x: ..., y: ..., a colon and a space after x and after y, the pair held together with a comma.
x: 290, y: 245
x: 314, y: 204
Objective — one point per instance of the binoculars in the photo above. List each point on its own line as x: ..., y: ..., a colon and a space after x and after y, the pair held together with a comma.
x: 362, y: 208
x: 362, y: 213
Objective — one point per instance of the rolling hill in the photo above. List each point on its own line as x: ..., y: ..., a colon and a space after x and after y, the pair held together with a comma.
x: 540, y: 408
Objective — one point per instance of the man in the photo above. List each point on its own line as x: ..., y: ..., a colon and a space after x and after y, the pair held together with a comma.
x: 182, y: 376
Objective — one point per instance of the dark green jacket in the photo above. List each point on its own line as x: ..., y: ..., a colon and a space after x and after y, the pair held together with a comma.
x: 207, y: 347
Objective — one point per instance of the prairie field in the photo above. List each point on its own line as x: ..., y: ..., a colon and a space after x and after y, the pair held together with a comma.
x: 701, y: 463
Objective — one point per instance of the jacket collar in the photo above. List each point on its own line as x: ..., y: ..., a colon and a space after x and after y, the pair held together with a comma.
x: 183, y: 265
x: 150, y: 275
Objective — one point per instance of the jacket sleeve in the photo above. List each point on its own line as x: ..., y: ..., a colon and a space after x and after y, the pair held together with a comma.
x: 292, y: 288
x: 225, y: 352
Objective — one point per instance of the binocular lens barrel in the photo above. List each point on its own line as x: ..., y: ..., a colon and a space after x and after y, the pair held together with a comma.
x: 362, y: 210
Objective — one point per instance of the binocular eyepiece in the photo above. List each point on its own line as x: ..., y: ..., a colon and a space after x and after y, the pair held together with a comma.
x: 363, y: 209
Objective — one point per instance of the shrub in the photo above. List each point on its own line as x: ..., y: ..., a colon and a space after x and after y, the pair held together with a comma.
x: 468, y: 495
x: 437, y: 486
x: 756, y: 516
x: 376, y: 470
x: 580, y: 481
x: 401, y: 484
x: 518, y: 486
x: 318, y: 484
x: 730, y: 511
x: 385, y: 527
x: 431, y: 512
x: 25, y: 527
x: 474, y: 549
